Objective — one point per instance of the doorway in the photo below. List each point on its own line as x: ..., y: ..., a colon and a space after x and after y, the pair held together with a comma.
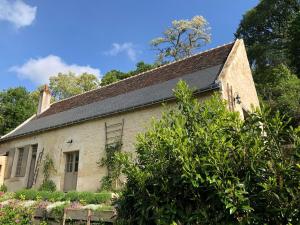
x: 71, y: 171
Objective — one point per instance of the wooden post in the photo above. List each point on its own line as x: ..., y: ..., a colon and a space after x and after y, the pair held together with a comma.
x: 64, y: 217
x: 88, y: 222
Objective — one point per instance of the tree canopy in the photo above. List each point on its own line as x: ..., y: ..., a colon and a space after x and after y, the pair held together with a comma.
x: 66, y: 85
x: 182, y: 39
x: 271, y: 33
x: 116, y: 75
x: 294, y: 43
x: 16, y: 105
x: 201, y: 164
x: 265, y: 31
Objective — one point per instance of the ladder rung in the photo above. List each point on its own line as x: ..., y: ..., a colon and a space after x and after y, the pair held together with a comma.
x: 114, y: 131
x: 114, y: 125
x: 112, y: 143
x: 114, y: 137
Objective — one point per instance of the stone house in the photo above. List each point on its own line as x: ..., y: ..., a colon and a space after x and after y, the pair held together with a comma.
x: 75, y: 131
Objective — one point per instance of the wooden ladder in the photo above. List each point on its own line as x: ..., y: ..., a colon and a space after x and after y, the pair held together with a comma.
x: 37, y: 167
x: 114, y: 133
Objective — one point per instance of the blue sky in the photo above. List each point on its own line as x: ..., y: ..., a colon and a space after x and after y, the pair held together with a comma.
x: 40, y: 37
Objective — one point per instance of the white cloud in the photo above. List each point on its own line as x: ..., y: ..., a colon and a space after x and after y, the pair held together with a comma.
x: 128, y: 48
x: 17, y: 12
x: 39, y: 70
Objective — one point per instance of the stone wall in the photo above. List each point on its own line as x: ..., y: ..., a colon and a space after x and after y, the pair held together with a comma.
x: 2, y: 168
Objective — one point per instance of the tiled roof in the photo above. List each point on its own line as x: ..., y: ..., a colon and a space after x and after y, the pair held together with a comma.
x: 189, y: 65
x: 200, y: 72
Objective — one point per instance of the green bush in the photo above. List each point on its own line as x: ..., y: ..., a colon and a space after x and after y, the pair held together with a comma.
x: 73, y: 196
x: 201, y: 164
x: 3, y: 188
x: 26, y: 194
x: 102, y: 197
x: 48, y: 185
x: 57, y: 196
x: 13, y: 214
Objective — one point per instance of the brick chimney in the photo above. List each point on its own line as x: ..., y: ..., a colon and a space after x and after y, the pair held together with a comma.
x: 44, y: 101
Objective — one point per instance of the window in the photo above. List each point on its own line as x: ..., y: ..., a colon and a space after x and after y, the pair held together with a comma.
x: 72, y: 161
x: 69, y: 163
x: 19, y: 163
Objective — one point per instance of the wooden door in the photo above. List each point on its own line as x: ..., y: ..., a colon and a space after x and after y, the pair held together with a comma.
x: 71, y: 171
x: 32, y: 167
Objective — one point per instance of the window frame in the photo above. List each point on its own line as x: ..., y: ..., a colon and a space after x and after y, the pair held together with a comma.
x: 21, y: 152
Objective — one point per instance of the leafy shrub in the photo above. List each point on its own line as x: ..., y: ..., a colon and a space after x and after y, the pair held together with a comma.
x: 47, y: 185
x: 26, y: 194
x: 101, y: 197
x: 13, y: 214
x: 51, y: 196
x: 73, y: 196
x: 3, y: 188
x: 56, y: 196
x: 200, y: 164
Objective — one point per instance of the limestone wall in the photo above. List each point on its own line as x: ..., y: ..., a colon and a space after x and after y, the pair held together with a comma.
x: 89, y: 139
x: 236, y: 78
x: 2, y: 168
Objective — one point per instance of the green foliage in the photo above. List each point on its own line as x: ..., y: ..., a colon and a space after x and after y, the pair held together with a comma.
x: 116, y: 75
x: 271, y: 33
x: 73, y: 196
x: 200, y: 164
x: 66, y: 85
x: 112, y: 164
x: 280, y: 89
x: 6, y: 196
x: 16, y: 105
x: 112, y: 77
x: 265, y: 31
x: 48, y: 185
x: 294, y: 43
x: 26, y: 194
x: 13, y: 215
x: 3, y: 188
x: 181, y: 39
x: 48, y: 169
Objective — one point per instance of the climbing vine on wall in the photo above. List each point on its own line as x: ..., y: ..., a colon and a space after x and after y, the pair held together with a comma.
x: 48, y: 169
x: 108, y: 182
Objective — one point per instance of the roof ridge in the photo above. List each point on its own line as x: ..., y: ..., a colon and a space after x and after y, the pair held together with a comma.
x: 148, y: 71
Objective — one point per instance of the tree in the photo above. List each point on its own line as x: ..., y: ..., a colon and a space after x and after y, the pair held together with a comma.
x: 182, y: 39
x: 294, y: 43
x: 67, y: 85
x: 112, y: 77
x: 270, y: 32
x: 200, y: 164
x: 279, y: 88
x: 116, y: 75
x: 16, y: 105
x: 265, y: 31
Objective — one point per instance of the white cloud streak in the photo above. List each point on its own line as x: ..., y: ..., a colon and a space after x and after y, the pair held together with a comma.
x: 128, y: 48
x: 17, y: 12
x: 39, y: 70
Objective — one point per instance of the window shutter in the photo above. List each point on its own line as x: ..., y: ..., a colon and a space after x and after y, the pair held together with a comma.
x: 24, y: 161
x: 9, y: 163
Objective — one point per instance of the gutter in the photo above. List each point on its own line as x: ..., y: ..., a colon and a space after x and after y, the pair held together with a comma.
x: 212, y: 87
